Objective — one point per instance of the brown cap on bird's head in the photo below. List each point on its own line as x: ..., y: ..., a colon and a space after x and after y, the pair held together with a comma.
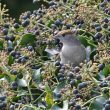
x: 68, y: 31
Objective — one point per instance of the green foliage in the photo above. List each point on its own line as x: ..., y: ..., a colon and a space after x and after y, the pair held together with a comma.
x: 32, y: 79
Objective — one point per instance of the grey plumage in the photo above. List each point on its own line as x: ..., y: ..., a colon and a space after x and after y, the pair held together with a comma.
x: 73, y: 51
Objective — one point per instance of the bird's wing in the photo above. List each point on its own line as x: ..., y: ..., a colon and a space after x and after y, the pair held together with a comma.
x: 52, y: 51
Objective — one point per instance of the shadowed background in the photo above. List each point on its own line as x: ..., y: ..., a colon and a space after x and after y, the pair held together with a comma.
x: 16, y: 7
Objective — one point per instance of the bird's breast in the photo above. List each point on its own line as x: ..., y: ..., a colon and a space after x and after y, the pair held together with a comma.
x: 72, y: 54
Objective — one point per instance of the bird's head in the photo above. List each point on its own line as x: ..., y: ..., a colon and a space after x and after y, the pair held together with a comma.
x: 67, y: 37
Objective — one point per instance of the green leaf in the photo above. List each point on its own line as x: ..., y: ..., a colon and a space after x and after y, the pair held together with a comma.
x: 83, y: 40
x: 20, y: 29
x: 49, y: 99
x: 10, y: 60
x: 22, y: 92
x: 27, y: 39
x: 56, y: 107
x: 106, y: 70
x: 65, y: 106
x: 37, y: 77
x: 100, y: 76
x: 41, y: 50
x: 91, y: 43
x: 10, y: 78
x: 21, y: 82
x: 49, y: 23
x: 86, y: 41
x: 49, y: 96
x: 41, y: 105
x: 1, y: 44
x: 92, y: 54
x: 2, y: 76
x: 97, y: 104
x: 59, y: 86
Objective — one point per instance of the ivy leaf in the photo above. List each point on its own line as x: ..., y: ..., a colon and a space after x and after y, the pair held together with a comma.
x: 1, y: 44
x: 86, y: 41
x: 91, y: 43
x: 20, y: 29
x: 83, y: 40
x: 27, y: 39
x: 97, y: 104
x: 59, y: 86
x: 10, y: 78
x: 65, y: 106
x: 100, y: 76
x: 49, y: 23
x: 2, y: 76
x: 21, y: 82
x: 92, y: 54
x: 49, y: 96
x: 106, y: 70
x: 22, y: 92
x: 37, y: 77
x: 10, y: 60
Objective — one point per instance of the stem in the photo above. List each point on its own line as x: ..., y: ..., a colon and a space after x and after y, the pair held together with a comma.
x: 30, y: 106
x: 91, y: 100
x: 44, y: 26
x: 30, y: 92
x: 39, y: 97
x: 29, y: 87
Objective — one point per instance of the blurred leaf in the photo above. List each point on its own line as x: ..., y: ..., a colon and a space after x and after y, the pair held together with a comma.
x: 86, y: 41
x: 41, y: 105
x: 97, y: 104
x: 22, y: 92
x: 49, y: 99
x: 20, y: 29
x: 10, y: 60
x: 56, y: 107
x: 49, y: 23
x: 41, y: 50
x: 49, y: 96
x: 83, y: 40
x: 15, y: 98
x: 10, y: 78
x: 21, y: 82
x: 106, y: 70
x: 65, y: 106
x: 37, y: 77
x: 59, y: 86
x: 2, y: 76
x: 1, y: 44
x: 92, y: 54
x: 100, y: 76
x: 91, y: 43
x: 27, y: 39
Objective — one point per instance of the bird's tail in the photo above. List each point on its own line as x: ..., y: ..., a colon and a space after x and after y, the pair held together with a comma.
x: 88, y: 51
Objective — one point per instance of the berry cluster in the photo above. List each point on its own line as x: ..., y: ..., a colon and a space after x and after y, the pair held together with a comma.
x: 34, y: 79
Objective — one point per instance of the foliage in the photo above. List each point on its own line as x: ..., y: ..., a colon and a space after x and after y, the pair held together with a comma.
x: 32, y: 79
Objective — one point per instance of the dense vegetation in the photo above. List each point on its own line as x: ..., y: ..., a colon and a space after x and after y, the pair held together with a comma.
x: 32, y: 79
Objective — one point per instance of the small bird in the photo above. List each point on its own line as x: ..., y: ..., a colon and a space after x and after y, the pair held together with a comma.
x: 72, y: 51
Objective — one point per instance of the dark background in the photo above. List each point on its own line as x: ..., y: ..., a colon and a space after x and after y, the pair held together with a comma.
x: 16, y: 7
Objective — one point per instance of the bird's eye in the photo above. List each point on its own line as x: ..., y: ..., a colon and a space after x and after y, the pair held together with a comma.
x: 63, y: 35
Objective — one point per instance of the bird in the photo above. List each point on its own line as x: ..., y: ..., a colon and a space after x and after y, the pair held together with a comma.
x: 72, y: 51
